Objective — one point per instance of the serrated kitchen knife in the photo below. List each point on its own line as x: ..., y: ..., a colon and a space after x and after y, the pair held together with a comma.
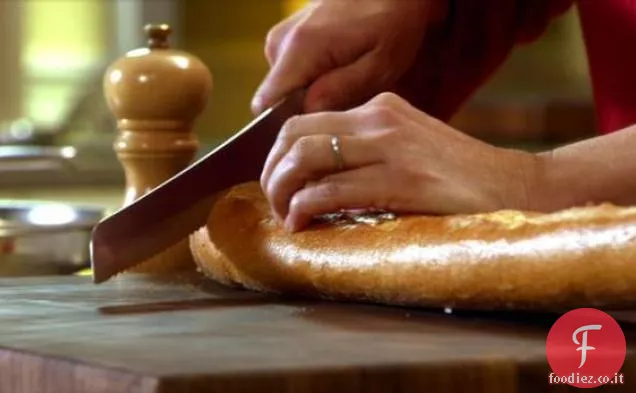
x: 180, y: 205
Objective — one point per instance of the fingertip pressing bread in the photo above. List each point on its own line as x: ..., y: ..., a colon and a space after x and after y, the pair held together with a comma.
x: 578, y: 257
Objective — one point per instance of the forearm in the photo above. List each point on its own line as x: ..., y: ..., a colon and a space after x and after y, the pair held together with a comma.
x: 601, y: 169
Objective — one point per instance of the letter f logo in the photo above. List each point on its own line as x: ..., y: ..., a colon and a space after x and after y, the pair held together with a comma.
x: 584, y: 347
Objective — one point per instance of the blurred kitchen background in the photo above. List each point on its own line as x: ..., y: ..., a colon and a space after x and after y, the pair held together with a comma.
x: 53, y: 54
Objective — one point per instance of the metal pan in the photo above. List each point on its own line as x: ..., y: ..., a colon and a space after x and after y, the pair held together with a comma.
x: 45, y: 238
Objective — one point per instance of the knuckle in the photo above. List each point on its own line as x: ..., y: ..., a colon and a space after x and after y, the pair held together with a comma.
x: 298, y: 157
x: 272, y: 41
x: 388, y: 99
x: 302, y: 34
x: 302, y: 148
x: 384, y: 110
x: 289, y: 128
x: 384, y: 116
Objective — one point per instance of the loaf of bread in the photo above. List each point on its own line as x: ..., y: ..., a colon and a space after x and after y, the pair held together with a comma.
x: 580, y: 257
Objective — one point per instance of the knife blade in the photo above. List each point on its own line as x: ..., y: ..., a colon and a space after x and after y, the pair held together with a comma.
x: 180, y: 205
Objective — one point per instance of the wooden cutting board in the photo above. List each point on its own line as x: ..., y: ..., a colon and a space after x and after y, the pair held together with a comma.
x: 64, y: 334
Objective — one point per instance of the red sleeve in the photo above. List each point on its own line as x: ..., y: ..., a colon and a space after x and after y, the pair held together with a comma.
x: 476, y: 38
x: 609, y: 29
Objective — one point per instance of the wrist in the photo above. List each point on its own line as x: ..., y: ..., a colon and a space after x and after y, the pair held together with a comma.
x: 523, y: 180
x: 549, y: 187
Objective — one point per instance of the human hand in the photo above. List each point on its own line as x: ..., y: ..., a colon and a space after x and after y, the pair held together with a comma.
x: 394, y: 158
x: 344, y: 52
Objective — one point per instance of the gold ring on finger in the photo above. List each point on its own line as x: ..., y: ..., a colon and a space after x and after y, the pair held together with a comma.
x: 337, y: 152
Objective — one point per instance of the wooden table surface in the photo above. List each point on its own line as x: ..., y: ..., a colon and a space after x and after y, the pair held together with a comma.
x: 65, y: 334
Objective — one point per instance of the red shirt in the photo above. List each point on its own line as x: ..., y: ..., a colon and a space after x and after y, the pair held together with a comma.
x: 476, y: 39
x: 609, y: 28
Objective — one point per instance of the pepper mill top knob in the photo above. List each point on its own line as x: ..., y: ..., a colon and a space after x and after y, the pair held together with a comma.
x: 156, y: 87
x: 157, y: 35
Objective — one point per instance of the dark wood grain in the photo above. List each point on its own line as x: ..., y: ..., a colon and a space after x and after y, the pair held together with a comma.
x: 132, y: 335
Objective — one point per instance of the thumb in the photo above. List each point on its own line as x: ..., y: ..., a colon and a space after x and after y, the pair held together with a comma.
x: 348, y: 86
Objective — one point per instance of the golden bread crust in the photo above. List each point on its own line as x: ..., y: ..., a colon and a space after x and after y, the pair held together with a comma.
x: 580, y: 257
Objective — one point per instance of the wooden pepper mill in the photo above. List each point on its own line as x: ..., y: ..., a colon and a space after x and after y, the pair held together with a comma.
x: 156, y: 93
